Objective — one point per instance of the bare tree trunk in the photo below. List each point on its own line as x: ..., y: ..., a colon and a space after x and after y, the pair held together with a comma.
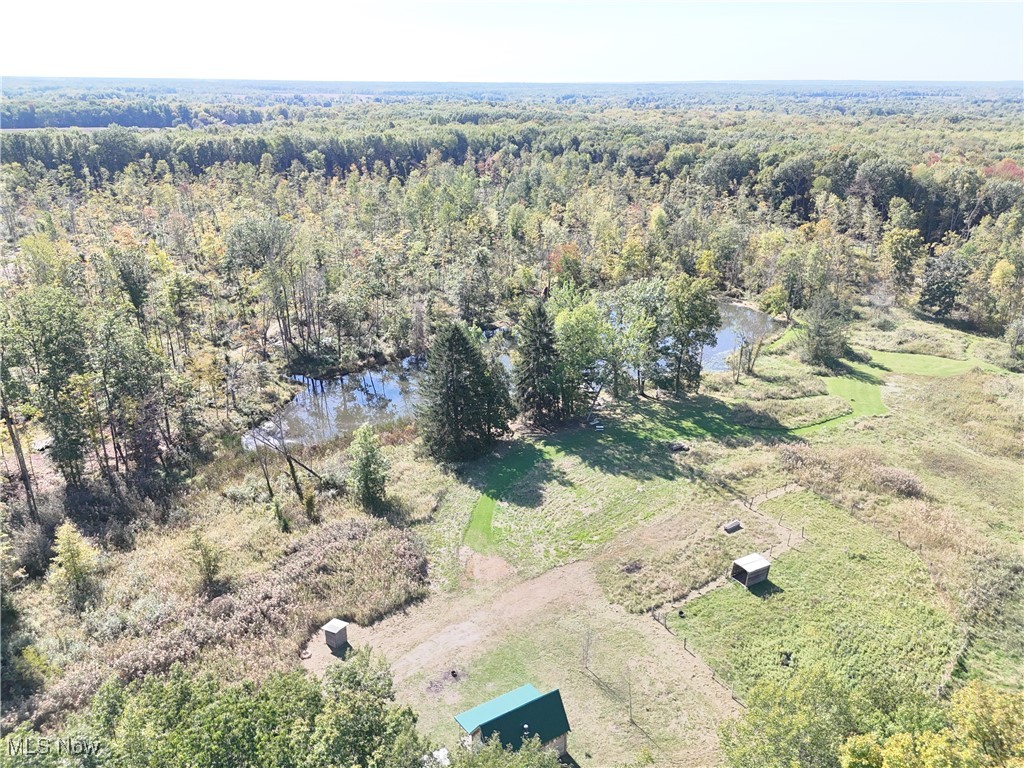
x: 266, y: 474
x: 26, y: 479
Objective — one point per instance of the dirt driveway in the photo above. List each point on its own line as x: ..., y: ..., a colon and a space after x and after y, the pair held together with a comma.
x: 683, y: 703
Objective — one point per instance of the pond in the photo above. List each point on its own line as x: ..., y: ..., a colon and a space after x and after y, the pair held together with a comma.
x: 328, y: 408
x: 737, y: 320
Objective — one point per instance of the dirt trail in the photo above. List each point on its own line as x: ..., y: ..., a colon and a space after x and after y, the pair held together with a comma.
x: 446, y: 633
x: 446, y: 625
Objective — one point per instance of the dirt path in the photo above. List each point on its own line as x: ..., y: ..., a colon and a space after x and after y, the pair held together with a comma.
x: 446, y: 633
x: 786, y: 536
x: 434, y: 644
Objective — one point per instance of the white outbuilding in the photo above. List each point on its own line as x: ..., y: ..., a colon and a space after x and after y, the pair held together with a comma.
x: 750, y: 569
x: 336, y: 634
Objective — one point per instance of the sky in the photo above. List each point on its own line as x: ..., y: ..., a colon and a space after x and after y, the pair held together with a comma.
x: 533, y: 41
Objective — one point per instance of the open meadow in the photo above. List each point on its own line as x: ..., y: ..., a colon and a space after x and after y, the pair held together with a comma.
x: 577, y: 546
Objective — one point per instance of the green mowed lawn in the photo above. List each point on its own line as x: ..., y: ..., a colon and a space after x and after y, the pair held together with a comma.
x: 509, y: 468
x: 861, y: 387
x: 926, y: 365
x: 848, y: 595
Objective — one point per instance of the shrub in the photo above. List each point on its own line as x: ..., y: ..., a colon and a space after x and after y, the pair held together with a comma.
x: 73, y: 569
x: 359, y: 570
x: 32, y: 666
x: 207, y: 560
x: 899, y: 481
x: 309, y: 505
x: 368, y: 471
x: 31, y: 539
x: 279, y: 516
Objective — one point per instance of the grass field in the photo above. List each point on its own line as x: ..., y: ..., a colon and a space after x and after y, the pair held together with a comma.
x: 599, y: 506
x: 649, y: 518
x: 553, y: 499
x: 848, y: 595
x: 860, y: 387
x: 633, y: 445
x: 512, y: 466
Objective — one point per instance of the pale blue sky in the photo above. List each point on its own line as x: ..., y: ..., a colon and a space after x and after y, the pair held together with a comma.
x: 525, y: 41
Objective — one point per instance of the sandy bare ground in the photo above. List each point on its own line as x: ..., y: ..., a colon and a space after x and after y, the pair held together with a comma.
x: 447, y: 633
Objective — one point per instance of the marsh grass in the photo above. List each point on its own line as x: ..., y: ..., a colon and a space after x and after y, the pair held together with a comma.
x: 906, y: 333
x: 356, y: 570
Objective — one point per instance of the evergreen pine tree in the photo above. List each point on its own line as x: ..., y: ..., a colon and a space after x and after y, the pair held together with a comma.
x: 368, y: 469
x: 536, y: 375
x: 824, y: 333
x: 464, y: 403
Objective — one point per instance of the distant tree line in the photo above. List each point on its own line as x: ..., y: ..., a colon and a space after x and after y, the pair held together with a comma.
x: 139, y: 113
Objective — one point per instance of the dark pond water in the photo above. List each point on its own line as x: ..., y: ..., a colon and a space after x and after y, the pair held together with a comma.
x: 736, y: 320
x: 327, y: 408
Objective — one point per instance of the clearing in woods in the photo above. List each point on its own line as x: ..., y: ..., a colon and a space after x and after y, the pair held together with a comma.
x: 859, y: 384
x: 573, y: 539
x: 556, y: 630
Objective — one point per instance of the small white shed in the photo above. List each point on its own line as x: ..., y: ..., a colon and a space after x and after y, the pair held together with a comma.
x: 750, y: 569
x: 336, y: 634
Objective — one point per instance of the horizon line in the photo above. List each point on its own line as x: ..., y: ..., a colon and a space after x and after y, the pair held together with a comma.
x: 703, y: 81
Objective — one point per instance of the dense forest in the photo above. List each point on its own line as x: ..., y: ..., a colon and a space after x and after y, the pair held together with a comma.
x: 162, y: 274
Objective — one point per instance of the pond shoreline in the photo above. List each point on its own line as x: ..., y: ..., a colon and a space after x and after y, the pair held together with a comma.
x: 384, y: 387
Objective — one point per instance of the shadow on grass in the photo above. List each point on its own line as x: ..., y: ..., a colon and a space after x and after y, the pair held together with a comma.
x: 841, y: 368
x: 541, y: 474
x: 398, y: 512
x: 765, y: 589
x: 502, y: 467
x: 507, y: 466
x: 636, y: 441
x: 621, y: 450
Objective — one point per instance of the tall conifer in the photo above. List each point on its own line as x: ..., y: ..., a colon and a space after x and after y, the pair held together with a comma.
x: 465, y: 404
x: 536, y: 376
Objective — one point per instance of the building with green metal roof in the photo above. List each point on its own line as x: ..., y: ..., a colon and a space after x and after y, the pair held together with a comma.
x: 519, y: 715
